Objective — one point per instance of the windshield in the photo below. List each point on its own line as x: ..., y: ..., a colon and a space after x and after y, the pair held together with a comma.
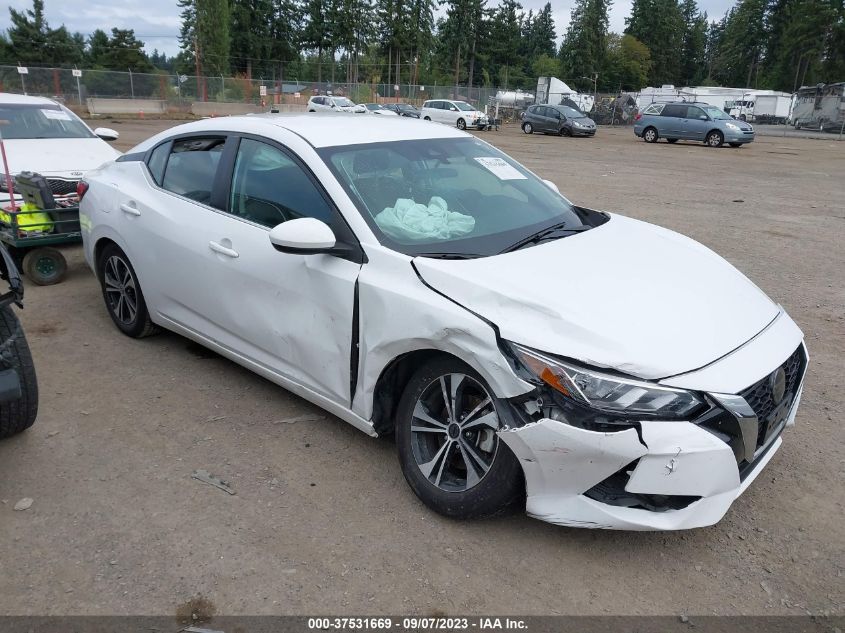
x: 716, y: 113
x: 572, y: 113
x: 405, y: 106
x: 19, y: 121
x: 343, y: 102
x: 373, y: 106
x: 464, y: 106
x: 456, y: 196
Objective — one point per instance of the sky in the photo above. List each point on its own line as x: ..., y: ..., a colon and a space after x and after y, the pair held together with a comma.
x: 156, y: 22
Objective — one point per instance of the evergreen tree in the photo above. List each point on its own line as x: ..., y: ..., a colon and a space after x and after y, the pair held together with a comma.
x: 317, y: 33
x: 124, y: 52
x: 251, y: 36
x: 98, y: 48
x: 693, y: 59
x: 205, y: 33
x: 29, y: 34
x: 659, y: 24
x: 584, y: 49
x: 742, y: 45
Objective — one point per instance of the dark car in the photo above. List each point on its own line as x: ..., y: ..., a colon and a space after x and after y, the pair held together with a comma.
x: 403, y: 109
x: 557, y: 119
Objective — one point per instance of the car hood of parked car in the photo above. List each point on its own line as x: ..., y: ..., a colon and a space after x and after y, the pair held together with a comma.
x: 58, y: 157
x: 626, y: 295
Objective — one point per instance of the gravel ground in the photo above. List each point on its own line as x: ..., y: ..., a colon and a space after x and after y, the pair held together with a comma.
x: 323, y: 521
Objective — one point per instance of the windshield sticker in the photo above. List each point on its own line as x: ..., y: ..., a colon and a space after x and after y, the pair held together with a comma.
x: 56, y: 115
x: 500, y: 168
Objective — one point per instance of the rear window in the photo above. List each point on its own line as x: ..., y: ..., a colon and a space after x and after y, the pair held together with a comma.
x: 654, y: 108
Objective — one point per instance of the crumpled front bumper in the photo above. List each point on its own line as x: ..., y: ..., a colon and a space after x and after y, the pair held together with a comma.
x: 674, y: 459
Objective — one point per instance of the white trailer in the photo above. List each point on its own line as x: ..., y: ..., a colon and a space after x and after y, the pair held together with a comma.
x: 553, y: 91
x: 772, y: 108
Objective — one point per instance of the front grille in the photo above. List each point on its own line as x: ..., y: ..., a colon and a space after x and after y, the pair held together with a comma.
x: 61, y: 187
x: 759, y: 395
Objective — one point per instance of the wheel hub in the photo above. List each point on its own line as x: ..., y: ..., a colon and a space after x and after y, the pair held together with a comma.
x: 454, y: 430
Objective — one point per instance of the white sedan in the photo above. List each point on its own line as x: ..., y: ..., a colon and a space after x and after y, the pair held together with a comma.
x: 413, y: 280
x: 43, y: 136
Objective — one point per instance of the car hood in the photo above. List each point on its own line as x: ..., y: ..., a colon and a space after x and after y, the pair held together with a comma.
x: 58, y: 157
x: 626, y: 295
x: 585, y: 120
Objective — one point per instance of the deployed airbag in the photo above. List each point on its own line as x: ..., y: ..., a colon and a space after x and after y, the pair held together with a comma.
x: 412, y: 220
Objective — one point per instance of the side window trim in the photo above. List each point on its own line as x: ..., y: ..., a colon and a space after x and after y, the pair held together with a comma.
x: 149, y: 156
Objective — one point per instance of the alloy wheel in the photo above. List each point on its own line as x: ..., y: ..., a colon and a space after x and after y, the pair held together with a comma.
x: 714, y: 139
x: 121, y: 290
x: 453, y: 432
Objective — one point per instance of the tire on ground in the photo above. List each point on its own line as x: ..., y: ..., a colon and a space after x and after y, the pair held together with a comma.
x: 500, y: 491
x: 17, y: 415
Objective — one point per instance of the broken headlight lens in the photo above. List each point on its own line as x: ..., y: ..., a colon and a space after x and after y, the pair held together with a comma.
x: 615, y: 395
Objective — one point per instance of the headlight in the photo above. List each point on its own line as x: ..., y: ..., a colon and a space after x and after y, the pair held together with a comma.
x: 733, y: 126
x: 614, y: 395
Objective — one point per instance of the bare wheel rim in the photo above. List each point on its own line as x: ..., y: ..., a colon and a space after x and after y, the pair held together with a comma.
x: 453, y: 432
x: 121, y: 290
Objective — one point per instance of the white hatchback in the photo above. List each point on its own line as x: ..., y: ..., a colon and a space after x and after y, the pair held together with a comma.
x: 334, y: 104
x: 414, y: 280
x: 459, y: 114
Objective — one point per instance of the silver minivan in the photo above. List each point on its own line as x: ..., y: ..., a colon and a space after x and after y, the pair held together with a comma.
x: 692, y: 122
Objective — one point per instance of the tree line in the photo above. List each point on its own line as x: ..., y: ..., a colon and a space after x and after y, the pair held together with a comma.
x: 778, y: 44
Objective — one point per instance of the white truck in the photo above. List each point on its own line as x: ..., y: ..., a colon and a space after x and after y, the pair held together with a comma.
x: 762, y: 107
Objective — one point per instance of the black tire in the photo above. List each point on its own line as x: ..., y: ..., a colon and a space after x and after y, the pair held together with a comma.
x: 714, y: 138
x: 527, y: 128
x: 499, y: 489
x: 121, y: 289
x: 462, y: 125
x: 565, y: 131
x: 735, y: 144
x: 44, y: 266
x: 17, y: 415
x: 650, y: 135
x: 671, y: 140
x: 427, y: 118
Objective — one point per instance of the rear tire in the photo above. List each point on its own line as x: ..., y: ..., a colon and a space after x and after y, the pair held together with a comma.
x: 44, y: 266
x: 455, y: 463
x: 18, y: 415
x: 427, y: 118
x: 122, y: 294
x: 650, y: 135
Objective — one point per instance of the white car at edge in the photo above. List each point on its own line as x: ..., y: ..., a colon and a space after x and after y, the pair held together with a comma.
x: 596, y: 370
x: 43, y: 136
x: 459, y: 114
x: 334, y: 104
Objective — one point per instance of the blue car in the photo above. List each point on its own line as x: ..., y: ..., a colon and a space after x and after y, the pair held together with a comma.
x: 692, y: 122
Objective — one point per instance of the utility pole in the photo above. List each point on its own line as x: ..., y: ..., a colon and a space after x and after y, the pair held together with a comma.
x: 131, y: 84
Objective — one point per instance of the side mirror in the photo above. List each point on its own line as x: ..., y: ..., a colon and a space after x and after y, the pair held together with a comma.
x: 302, y: 236
x: 551, y: 185
x: 106, y: 133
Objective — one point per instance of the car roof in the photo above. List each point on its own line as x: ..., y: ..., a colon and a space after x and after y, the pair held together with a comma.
x: 8, y: 97
x: 320, y: 129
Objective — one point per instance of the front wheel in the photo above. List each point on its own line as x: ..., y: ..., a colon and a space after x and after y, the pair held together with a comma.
x: 122, y: 294
x: 527, y: 128
x: 449, y: 448
x: 462, y: 125
x: 650, y: 135
x: 565, y: 131
x: 715, y: 139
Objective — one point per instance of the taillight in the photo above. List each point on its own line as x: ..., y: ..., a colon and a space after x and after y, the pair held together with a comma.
x: 638, y: 117
x: 81, y: 189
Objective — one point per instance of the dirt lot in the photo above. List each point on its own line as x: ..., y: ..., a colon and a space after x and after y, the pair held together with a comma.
x: 323, y: 521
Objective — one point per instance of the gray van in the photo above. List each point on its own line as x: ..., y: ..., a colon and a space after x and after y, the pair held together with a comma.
x: 692, y: 122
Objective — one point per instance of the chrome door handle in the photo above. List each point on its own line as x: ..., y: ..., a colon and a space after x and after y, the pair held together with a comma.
x: 219, y: 248
x: 130, y: 209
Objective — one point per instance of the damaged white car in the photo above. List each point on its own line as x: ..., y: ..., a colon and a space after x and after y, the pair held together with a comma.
x: 413, y: 280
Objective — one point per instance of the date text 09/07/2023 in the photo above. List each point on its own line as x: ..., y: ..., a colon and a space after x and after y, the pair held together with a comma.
x: 416, y: 623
